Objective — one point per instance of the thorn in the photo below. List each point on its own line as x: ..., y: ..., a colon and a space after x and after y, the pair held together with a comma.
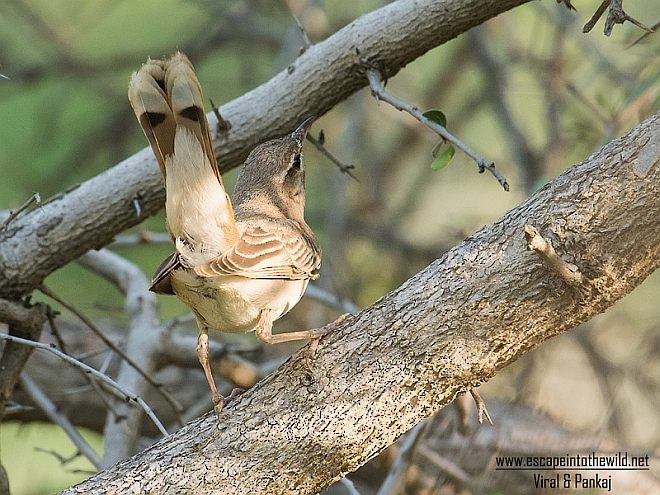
x: 306, y: 41
x: 481, y: 407
x: 223, y: 125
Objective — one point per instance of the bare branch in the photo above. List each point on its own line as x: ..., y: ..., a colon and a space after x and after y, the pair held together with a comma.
x: 567, y: 271
x: 481, y: 407
x: 142, y: 348
x: 88, y: 369
x: 495, y: 88
x: 344, y: 169
x: 99, y: 333
x: 616, y: 15
x: 395, y: 480
x: 321, y: 295
x: 328, y: 72
x: 379, y: 93
x: 47, y: 406
x: 444, y: 331
x: 35, y: 198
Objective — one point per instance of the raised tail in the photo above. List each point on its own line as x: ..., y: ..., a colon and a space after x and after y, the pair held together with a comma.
x: 167, y: 100
x: 165, y: 94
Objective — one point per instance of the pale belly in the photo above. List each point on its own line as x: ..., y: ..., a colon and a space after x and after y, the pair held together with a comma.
x: 234, y: 304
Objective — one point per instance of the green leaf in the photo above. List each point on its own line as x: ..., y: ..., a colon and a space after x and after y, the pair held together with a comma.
x: 436, y: 116
x: 443, y: 153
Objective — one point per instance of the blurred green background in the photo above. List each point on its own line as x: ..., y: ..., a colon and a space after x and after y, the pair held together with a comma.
x: 528, y: 90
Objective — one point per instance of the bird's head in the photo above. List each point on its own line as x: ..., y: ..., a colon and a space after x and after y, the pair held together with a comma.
x: 274, y: 172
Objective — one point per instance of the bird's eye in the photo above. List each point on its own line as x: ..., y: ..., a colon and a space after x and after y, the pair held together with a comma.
x: 296, y: 162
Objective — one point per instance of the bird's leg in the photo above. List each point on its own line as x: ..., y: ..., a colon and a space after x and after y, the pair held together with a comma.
x: 203, y: 355
x: 264, y: 333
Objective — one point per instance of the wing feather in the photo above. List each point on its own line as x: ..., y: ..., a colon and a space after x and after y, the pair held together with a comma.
x: 263, y: 253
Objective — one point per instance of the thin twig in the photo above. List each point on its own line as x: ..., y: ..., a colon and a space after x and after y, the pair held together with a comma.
x: 142, y: 237
x: 377, y: 89
x: 653, y: 29
x: 350, y: 487
x: 50, y: 315
x: 61, y: 459
x: 617, y: 15
x: 35, y: 198
x: 453, y: 470
x: 99, y: 333
x: 12, y: 408
x: 481, y: 407
x: 597, y: 15
x: 179, y: 321
x: 567, y: 271
x: 395, y: 479
x: 568, y: 3
x: 50, y: 409
x: 602, y: 119
x: 345, y: 169
x: 306, y: 40
x: 330, y: 299
x: 88, y: 369
x: 222, y: 125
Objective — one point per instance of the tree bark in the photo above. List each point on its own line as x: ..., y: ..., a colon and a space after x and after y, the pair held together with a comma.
x: 88, y: 216
x: 449, y: 328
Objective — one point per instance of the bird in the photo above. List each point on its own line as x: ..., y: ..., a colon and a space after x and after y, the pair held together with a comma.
x: 241, y: 266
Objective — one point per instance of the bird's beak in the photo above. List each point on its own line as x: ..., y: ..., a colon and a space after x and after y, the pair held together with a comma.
x: 300, y: 133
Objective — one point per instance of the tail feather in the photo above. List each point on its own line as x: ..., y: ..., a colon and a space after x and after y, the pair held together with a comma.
x: 166, y: 94
x: 188, y: 103
x: 146, y: 92
x: 167, y: 100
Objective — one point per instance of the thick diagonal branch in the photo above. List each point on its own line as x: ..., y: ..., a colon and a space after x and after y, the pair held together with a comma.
x: 447, y: 329
x: 88, y: 216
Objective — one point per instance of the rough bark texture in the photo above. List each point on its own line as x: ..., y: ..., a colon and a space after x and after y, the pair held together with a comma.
x: 90, y: 215
x: 25, y: 322
x: 449, y: 328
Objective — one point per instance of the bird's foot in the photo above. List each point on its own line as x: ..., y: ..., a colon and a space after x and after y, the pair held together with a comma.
x: 319, y: 333
x: 220, y: 402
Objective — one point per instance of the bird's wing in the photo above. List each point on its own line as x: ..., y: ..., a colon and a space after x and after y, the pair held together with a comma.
x: 161, y: 282
x: 267, y: 253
